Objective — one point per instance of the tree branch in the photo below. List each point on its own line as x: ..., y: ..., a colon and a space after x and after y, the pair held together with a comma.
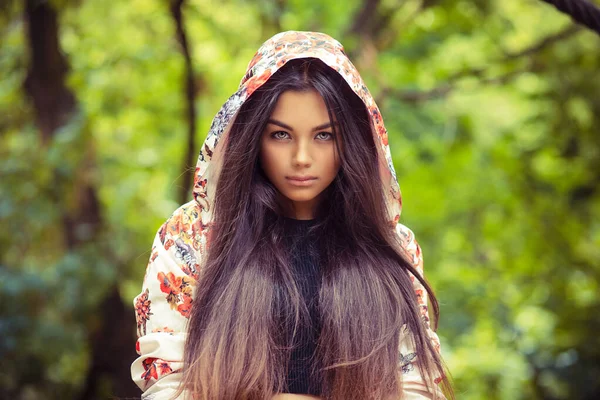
x: 361, y: 26
x: 190, y: 96
x: 582, y: 12
x: 546, y: 42
x: 445, y: 88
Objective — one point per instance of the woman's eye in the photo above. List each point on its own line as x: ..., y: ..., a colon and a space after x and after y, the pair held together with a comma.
x: 324, y: 136
x: 279, y: 135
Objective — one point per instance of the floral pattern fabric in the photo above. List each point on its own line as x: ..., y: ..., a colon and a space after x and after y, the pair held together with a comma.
x: 163, y: 307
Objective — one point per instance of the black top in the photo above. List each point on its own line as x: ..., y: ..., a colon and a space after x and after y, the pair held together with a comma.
x: 305, y: 266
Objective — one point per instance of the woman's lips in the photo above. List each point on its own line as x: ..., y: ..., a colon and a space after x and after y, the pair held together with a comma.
x: 301, y: 181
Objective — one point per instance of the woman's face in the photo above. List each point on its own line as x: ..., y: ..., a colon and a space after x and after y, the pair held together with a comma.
x: 298, y: 152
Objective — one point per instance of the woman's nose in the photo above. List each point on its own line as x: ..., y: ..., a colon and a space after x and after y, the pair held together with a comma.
x: 302, y: 155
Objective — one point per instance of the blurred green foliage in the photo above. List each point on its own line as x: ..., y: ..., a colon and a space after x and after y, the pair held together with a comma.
x: 493, y: 110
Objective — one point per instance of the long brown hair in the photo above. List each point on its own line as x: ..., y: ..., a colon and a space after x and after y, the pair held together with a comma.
x: 246, y: 298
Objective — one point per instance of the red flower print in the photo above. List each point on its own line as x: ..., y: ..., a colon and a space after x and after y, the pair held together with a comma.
x: 255, y: 60
x: 382, y: 133
x: 173, y: 225
x: 164, y: 368
x: 281, y: 62
x: 149, y: 369
x: 419, y: 293
x: 170, y: 285
x: 185, y: 308
x: 162, y: 233
x: 153, y: 367
x: 201, y: 185
x: 178, y: 289
x: 142, y: 312
x: 257, y: 81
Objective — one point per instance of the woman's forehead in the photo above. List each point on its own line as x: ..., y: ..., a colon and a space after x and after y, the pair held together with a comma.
x: 303, y: 110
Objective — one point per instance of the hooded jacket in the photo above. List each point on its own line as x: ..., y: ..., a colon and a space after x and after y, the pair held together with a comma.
x: 163, y: 306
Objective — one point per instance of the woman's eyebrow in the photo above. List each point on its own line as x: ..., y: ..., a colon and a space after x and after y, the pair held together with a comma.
x: 289, y: 128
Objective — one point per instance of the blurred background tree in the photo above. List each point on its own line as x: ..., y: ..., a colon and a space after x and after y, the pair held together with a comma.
x: 493, y: 109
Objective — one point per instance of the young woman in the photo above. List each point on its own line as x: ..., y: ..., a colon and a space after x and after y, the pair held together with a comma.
x: 289, y: 276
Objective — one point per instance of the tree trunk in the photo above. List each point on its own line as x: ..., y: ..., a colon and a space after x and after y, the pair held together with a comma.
x: 113, y: 341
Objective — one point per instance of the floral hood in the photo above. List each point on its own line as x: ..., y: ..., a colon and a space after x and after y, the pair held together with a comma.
x: 269, y: 58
